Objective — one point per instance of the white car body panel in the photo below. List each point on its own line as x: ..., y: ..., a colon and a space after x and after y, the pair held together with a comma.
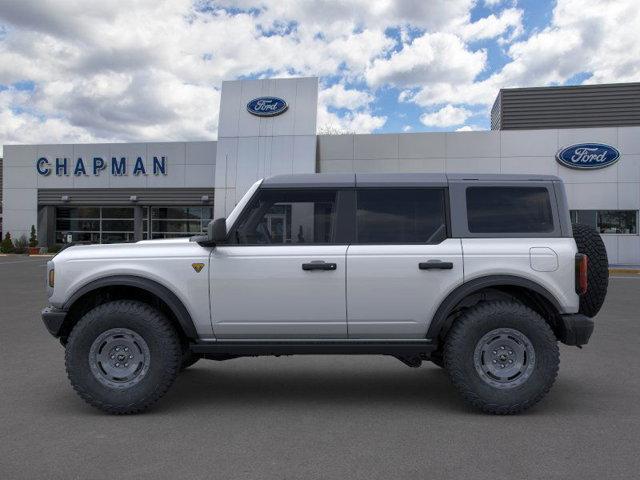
x: 167, y: 262
x: 262, y: 292
x: 512, y: 256
x: 388, y: 296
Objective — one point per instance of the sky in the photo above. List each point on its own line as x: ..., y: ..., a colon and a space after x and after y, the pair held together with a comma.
x: 76, y: 71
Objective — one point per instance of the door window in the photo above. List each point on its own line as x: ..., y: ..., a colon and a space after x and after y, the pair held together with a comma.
x: 277, y: 217
x: 402, y: 215
x: 509, y: 210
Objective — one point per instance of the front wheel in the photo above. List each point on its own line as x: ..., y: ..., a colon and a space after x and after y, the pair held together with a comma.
x: 502, y: 357
x: 122, y: 356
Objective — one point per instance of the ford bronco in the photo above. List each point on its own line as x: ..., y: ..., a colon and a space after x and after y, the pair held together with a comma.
x: 482, y: 275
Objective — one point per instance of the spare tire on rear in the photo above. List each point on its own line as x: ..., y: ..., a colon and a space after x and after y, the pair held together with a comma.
x: 590, y: 243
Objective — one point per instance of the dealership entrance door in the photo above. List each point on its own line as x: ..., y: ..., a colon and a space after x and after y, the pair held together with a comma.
x: 118, y: 215
x: 117, y: 224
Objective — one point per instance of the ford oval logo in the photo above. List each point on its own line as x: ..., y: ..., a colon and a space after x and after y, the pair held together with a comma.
x: 588, y: 156
x: 267, y: 106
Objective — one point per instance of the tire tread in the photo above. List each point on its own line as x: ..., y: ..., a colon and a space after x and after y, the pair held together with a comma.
x: 165, y: 331
x: 590, y: 243
x: 458, y: 335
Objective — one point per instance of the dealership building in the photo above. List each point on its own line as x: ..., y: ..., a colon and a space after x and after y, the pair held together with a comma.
x: 587, y: 135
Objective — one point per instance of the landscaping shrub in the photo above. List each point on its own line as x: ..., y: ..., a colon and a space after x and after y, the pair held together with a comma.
x: 7, y: 244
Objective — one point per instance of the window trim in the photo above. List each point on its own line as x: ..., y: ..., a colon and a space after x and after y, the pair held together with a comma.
x: 459, y: 223
x: 445, y: 205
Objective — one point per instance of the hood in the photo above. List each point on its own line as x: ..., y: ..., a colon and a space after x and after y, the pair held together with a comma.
x: 145, y: 248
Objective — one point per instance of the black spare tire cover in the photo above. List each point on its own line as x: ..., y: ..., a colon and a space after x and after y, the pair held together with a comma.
x: 590, y: 243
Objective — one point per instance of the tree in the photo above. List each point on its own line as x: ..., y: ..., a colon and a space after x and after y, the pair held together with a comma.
x: 333, y: 129
x: 7, y: 244
x: 33, y: 239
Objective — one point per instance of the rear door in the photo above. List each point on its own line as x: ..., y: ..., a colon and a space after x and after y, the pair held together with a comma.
x: 402, y: 263
x: 282, y: 273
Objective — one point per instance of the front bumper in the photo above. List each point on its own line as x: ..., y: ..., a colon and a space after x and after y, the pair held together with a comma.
x: 53, y: 319
x: 576, y: 329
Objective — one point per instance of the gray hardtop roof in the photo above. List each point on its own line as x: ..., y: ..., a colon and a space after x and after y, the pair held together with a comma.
x: 345, y: 180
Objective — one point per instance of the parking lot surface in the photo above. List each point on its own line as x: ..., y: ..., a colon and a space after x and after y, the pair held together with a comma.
x: 315, y: 417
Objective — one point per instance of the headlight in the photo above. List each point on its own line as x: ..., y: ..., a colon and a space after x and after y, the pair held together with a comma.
x: 52, y: 278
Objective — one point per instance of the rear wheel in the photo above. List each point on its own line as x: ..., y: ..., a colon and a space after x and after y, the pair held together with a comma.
x: 502, y: 357
x: 437, y: 359
x: 122, y: 356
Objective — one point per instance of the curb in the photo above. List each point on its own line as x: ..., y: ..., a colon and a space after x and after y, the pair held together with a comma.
x: 624, y: 271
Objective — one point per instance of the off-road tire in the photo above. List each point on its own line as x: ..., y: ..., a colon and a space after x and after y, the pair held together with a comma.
x: 590, y: 243
x: 163, y: 348
x: 467, y: 332
x: 437, y: 359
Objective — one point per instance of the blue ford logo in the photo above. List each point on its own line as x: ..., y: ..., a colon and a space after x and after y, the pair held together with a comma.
x: 588, y: 156
x: 267, y: 106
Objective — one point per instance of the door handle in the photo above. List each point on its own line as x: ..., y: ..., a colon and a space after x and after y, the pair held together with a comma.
x: 435, y: 265
x: 319, y: 265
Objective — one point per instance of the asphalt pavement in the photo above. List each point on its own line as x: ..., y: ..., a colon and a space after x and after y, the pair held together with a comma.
x: 302, y: 417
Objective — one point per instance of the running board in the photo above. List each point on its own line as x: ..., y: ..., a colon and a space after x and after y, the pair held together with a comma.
x: 240, y: 348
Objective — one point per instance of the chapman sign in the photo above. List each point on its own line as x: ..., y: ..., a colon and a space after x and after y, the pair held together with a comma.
x: 117, y: 166
x: 267, y: 106
x: 588, y: 156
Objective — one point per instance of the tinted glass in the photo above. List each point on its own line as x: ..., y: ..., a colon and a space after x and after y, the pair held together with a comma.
x: 621, y: 222
x: 172, y: 222
x: 390, y: 215
x: 288, y: 217
x: 617, y: 221
x: 586, y: 217
x: 509, y: 210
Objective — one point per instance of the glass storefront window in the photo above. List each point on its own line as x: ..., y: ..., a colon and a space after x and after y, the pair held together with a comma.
x: 621, y: 222
x: 94, y: 224
x: 116, y: 224
x: 174, y: 222
x: 617, y: 221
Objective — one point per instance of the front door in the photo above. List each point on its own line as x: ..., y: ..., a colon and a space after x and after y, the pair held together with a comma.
x: 402, y: 264
x: 281, y: 274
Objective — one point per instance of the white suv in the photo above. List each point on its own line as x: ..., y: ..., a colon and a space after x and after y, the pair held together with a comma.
x: 479, y: 274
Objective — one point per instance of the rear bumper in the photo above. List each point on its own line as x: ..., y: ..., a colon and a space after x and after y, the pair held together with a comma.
x: 576, y: 329
x: 53, y: 320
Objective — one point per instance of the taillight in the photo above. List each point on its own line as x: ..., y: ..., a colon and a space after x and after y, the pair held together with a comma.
x: 582, y: 262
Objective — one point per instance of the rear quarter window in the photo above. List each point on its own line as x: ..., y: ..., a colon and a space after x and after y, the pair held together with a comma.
x: 509, y: 210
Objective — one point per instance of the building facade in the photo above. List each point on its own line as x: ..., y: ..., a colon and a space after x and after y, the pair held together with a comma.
x: 126, y: 192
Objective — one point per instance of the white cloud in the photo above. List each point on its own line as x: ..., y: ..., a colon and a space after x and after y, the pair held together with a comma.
x: 432, y: 57
x: 338, y: 96
x: 469, y: 128
x: 509, y: 20
x: 152, y: 70
x: 447, y: 116
x: 583, y: 37
x: 358, y: 118
x: 351, y: 122
x: 407, y: 128
x: 493, y: 3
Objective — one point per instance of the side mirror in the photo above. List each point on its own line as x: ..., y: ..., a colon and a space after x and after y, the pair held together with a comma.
x: 217, y: 230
